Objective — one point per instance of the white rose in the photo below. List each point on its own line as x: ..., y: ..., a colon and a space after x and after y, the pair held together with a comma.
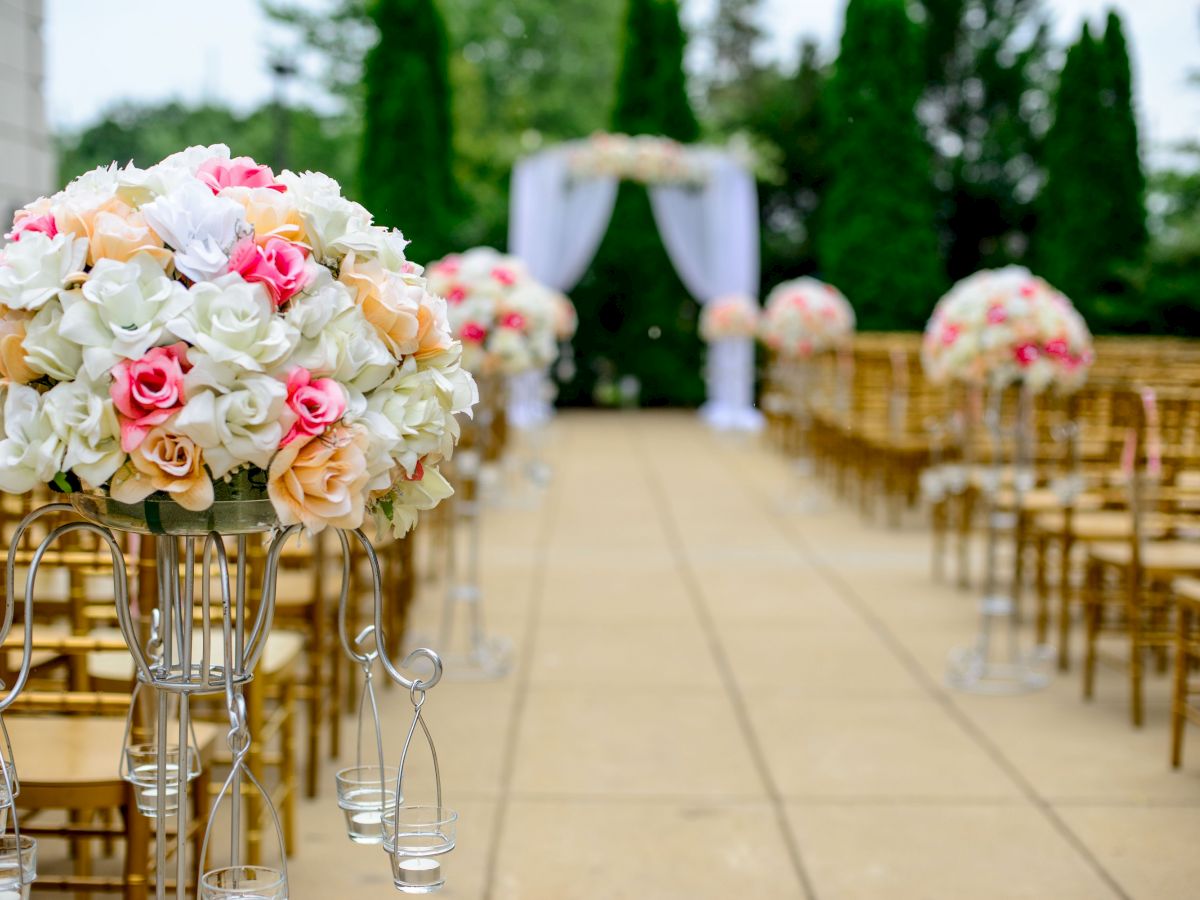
x: 331, y: 222
x: 415, y: 404
x: 192, y: 158
x: 121, y: 311
x: 30, y: 452
x: 81, y: 413
x: 235, y: 324
x: 47, y: 350
x: 347, y: 349
x: 318, y: 304
x: 138, y: 187
x: 201, y: 227
x: 235, y: 423
x: 408, y: 498
x: 509, y: 346
x: 35, y: 268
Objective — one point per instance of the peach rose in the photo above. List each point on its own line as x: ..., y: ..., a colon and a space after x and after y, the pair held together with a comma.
x: 269, y: 213
x: 165, y: 461
x: 319, y: 480
x: 12, y: 352
x: 121, y: 233
x: 387, y: 301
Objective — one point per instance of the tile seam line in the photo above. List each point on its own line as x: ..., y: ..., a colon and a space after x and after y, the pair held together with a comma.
x: 733, y: 693
x: 537, y: 591
x: 935, y: 692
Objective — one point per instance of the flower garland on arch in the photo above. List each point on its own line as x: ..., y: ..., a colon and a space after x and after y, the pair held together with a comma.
x: 645, y: 159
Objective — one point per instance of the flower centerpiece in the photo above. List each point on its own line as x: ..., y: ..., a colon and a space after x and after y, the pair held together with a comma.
x: 805, y: 316
x: 731, y: 316
x: 505, y: 319
x: 1004, y: 326
x: 204, y: 330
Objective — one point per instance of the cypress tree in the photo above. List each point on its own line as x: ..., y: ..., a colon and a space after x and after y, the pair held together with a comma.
x: 406, y: 154
x: 638, y: 319
x: 878, y: 241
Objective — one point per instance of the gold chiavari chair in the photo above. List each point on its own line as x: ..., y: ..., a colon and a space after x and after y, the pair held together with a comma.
x: 1185, y: 707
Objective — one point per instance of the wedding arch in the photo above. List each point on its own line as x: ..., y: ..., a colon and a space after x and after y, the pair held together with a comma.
x: 705, y: 206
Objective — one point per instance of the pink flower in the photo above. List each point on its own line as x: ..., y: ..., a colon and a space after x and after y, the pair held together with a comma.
x: 1028, y: 289
x: 473, y: 333
x: 949, y: 334
x: 456, y: 294
x: 148, y: 391
x: 45, y: 224
x: 997, y: 314
x: 513, y: 320
x: 1026, y: 354
x: 317, y: 404
x: 448, y: 266
x: 1057, y: 348
x: 239, y: 172
x: 504, y: 276
x: 278, y: 265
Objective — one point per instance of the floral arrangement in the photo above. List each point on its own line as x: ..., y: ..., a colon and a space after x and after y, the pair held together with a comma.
x: 644, y: 158
x: 1002, y: 326
x: 805, y: 316
x: 566, y: 319
x: 505, y: 319
x: 732, y: 316
x: 204, y: 330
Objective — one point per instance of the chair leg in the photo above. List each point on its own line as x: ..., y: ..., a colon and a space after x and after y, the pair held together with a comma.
x: 136, y: 870
x: 1018, y: 585
x: 288, y: 762
x: 81, y: 848
x: 1135, y: 623
x: 1179, y: 696
x: 1041, y: 588
x: 1064, y: 604
x: 1093, y: 610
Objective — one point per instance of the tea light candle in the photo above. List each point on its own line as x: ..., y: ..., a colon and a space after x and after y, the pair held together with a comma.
x: 420, y: 870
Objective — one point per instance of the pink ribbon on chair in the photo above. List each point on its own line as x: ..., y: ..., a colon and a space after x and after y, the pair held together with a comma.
x: 1153, y: 434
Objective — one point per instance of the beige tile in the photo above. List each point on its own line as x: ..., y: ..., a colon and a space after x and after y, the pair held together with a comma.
x: 815, y: 662
x: 1150, y: 851
x: 617, y: 850
x: 617, y: 655
x: 622, y: 741
x: 872, y: 748
x: 901, y: 852
x: 610, y: 594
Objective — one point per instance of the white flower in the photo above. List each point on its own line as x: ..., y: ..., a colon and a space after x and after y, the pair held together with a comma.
x: 81, y: 414
x: 235, y: 422
x: 331, y: 222
x: 408, y: 498
x: 192, y: 158
x: 121, y: 311
x: 138, y: 187
x: 318, y: 304
x: 347, y: 348
x: 235, y: 324
x: 46, y: 349
x: 30, y: 452
x: 35, y: 268
x: 201, y: 227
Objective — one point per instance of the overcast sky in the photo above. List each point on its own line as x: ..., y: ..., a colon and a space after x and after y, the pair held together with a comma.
x: 101, y: 51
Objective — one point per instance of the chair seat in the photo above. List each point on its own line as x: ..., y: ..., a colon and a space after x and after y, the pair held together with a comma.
x: 1162, y: 557
x: 282, y: 650
x: 1187, y: 590
x: 1100, y: 524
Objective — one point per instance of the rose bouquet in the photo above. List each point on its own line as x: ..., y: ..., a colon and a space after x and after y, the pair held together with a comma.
x: 733, y: 316
x: 1002, y: 326
x: 505, y: 319
x: 805, y: 316
x: 204, y: 330
x: 644, y: 158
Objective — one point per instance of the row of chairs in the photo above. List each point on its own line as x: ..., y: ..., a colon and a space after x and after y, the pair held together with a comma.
x: 1101, y: 499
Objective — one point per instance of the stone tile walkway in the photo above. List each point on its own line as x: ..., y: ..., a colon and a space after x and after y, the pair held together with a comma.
x: 716, y: 695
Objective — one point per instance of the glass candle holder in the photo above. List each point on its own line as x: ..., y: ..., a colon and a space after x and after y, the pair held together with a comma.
x: 243, y: 883
x: 5, y: 799
x: 142, y: 772
x: 412, y: 838
x: 364, y: 793
x: 18, y: 866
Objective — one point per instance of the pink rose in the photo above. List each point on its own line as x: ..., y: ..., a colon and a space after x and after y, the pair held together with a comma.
x: 456, y: 294
x: 949, y: 335
x: 278, y: 265
x: 1028, y: 289
x: 148, y: 391
x: 239, y: 172
x: 472, y: 333
x: 1057, y: 348
x: 513, y: 320
x: 317, y: 404
x: 1026, y: 354
x: 45, y: 224
x: 504, y: 276
x: 448, y: 266
x: 997, y: 314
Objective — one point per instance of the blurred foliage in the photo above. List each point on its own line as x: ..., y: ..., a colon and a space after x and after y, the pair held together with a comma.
x: 877, y: 240
x: 407, y: 148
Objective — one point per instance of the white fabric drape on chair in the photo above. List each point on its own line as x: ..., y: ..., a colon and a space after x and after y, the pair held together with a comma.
x: 556, y: 224
x: 711, y: 236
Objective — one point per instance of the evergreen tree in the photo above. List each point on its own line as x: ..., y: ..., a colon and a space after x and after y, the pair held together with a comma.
x: 877, y: 240
x: 405, y: 169
x: 637, y: 317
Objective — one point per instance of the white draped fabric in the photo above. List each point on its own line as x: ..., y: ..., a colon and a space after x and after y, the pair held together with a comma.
x: 710, y: 231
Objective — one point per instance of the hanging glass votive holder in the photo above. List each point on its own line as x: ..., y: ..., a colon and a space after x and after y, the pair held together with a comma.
x: 10, y: 785
x: 413, y: 837
x: 142, y: 771
x: 18, y: 866
x: 243, y: 883
x: 366, y: 794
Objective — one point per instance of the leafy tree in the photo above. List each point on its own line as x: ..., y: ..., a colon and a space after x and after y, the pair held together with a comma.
x: 985, y: 112
x: 406, y: 177
x: 877, y: 240
x: 637, y: 319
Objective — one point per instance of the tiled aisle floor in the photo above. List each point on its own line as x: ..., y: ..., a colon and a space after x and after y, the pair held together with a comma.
x: 718, y: 696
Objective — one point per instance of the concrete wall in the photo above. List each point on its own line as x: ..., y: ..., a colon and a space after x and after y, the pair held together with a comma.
x: 26, y: 152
